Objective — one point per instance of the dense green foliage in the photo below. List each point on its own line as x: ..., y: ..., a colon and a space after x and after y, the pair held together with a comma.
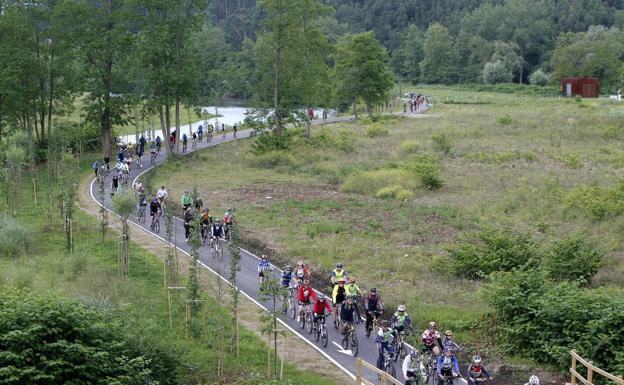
x: 15, y: 238
x: 573, y: 258
x: 44, y: 339
x: 543, y: 319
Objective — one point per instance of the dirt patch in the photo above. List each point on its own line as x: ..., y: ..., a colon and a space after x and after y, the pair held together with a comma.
x: 296, y: 351
x: 262, y: 194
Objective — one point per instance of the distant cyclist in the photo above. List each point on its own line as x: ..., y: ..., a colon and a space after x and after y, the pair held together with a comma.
x: 476, y: 372
x: 301, y: 273
x: 158, y: 143
x: 338, y: 273
x: 430, y: 338
x: 263, y: 269
x: 155, y: 208
x: 162, y: 195
x: 374, y: 307
x: 186, y: 200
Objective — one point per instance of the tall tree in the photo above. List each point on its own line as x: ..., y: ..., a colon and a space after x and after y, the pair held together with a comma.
x: 287, y: 54
x: 440, y: 56
x: 406, y: 59
x: 361, y: 70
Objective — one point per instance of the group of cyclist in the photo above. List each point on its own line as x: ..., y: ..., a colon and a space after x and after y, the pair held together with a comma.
x: 342, y: 307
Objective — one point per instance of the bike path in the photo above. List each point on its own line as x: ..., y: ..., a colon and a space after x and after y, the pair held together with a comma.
x: 247, y: 278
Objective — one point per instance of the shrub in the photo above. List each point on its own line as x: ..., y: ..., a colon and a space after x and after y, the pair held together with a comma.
x: 411, y: 146
x: 506, y: 120
x: 394, y: 192
x: 596, y: 202
x: 573, y: 258
x: 270, y: 141
x: 497, y: 72
x: 376, y: 130
x: 427, y: 169
x: 369, y: 182
x: 15, y: 239
x: 539, y: 78
x: 441, y: 144
x: 274, y: 159
x: 490, y: 250
x: 325, y: 227
x: 545, y: 320
x: 48, y: 340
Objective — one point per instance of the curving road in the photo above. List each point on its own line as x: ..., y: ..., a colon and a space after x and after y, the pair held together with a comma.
x: 247, y: 280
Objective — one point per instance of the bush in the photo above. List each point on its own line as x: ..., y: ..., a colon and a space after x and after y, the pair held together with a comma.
x: 15, y: 239
x: 506, y: 120
x: 369, y: 182
x: 496, y: 72
x: 490, y: 250
x: 427, y: 169
x: 270, y: 141
x: 574, y: 258
x: 394, y: 192
x: 441, y: 144
x: 539, y: 78
x: 376, y: 130
x: 47, y: 340
x: 274, y: 159
x: 545, y: 320
x: 411, y: 146
x: 596, y: 202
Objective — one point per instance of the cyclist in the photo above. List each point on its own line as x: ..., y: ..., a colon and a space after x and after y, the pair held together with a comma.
x: 139, y: 152
x: 353, y: 290
x: 188, y: 217
x: 400, y: 319
x: 142, y: 202
x: 223, y: 129
x: 301, y: 272
x: 121, y: 155
x: 449, y: 343
x: 448, y: 366
x: 383, y: 342
x: 235, y: 130
x: 128, y: 161
x: 155, y: 208
x: 339, y: 295
x: 184, y: 142
x: 216, y: 231
x: 200, y: 132
x: 153, y: 149
x: 96, y: 167
x: 305, y: 296
x: 138, y: 187
x: 477, y: 372
x: 286, y: 276
x: 337, y: 273
x: 263, y: 267
x: 411, y: 369
x: 533, y: 380
x: 229, y: 220
x: 374, y: 307
x: 162, y: 195
x: 324, y: 115
x: 122, y: 167
x: 320, y: 305
x: 206, y: 221
x: 347, y: 316
x: 430, y: 337
x: 187, y: 200
x: 114, y: 183
x: 158, y: 143
x: 194, y: 136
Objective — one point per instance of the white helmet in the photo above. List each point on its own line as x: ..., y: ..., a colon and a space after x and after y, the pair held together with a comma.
x: 401, y: 308
x: 533, y: 380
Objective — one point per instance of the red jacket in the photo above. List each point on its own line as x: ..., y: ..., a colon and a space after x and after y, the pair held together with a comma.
x: 305, y: 297
x: 319, y: 308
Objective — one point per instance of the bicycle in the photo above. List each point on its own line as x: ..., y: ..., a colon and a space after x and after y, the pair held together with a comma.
x: 446, y: 379
x: 205, y: 233
x: 399, y: 345
x: 183, y: 147
x: 374, y: 326
x: 291, y: 309
x: 431, y: 364
x: 102, y: 174
x: 155, y: 225
x: 153, y: 156
x: 217, y: 248
x: 351, y: 338
x: 194, y: 143
x: 305, y: 315
x: 389, y: 364
x: 320, y: 330
x: 141, y: 213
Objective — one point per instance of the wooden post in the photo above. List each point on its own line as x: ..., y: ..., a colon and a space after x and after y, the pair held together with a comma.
x: 590, y: 372
x: 170, y: 312
x: 358, y: 371
x: 269, y: 357
x: 281, y: 376
x: 384, y: 378
x: 573, y: 367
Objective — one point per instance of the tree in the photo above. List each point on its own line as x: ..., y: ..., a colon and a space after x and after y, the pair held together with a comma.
x: 361, y: 70
x: 288, y: 54
x: 406, y: 59
x: 440, y: 56
x: 505, y: 62
x: 539, y: 78
x: 597, y: 52
x: 496, y: 72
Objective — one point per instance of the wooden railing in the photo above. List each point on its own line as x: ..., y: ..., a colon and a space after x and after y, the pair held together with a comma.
x: 360, y: 364
x: 591, y: 369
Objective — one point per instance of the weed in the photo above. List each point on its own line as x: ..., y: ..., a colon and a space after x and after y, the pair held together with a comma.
x: 369, y: 182
x: 427, y: 169
x: 411, y: 146
x: 506, y: 120
x: 376, y: 130
x: 394, y: 192
x: 15, y: 238
x: 442, y: 144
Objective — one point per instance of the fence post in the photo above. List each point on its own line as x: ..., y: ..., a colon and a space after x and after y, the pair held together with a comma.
x: 358, y: 371
x: 573, y: 367
x: 590, y: 372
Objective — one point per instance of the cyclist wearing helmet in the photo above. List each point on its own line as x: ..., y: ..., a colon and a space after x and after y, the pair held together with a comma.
x: 430, y: 337
x: 400, y: 319
x: 263, y: 267
x: 353, y: 290
x: 412, y: 370
x: 383, y: 342
x: 373, y: 306
x: 339, y: 295
x: 448, y: 342
x: 338, y: 273
x: 347, y: 315
x: 305, y: 296
x: 533, y: 381
x: 448, y: 366
x: 301, y: 272
x: 286, y: 276
x: 477, y: 373
x: 320, y: 305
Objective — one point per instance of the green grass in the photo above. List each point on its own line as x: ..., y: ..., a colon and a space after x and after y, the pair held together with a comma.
x: 89, y: 274
x: 513, y: 160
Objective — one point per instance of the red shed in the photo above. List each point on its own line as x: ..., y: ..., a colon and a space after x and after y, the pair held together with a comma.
x: 584, y: 87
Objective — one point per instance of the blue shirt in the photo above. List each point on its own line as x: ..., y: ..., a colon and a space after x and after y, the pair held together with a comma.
x: 263, y: 266
x: 454, y: 363
x: 286, y: 277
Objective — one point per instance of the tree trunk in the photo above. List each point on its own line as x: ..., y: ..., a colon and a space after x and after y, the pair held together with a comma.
x: 178, y: 50
x: 369, y: 109
x: 355, y: 109
x: 177, y: 123
x: 106, y: 127
x: 276, y: 91
x: 163, y: 126
x: 51, y: 93
x: 1, y: 127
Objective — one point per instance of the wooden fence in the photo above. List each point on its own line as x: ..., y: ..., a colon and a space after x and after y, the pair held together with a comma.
x: 591, y: 370
x: 386, y: 379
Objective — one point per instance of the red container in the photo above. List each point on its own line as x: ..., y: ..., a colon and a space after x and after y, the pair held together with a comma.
x: 583, y: 87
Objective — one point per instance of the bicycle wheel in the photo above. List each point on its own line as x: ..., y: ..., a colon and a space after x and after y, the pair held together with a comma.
x: 143, y: 214
x: 345, y: 342
x: 391, y: 370
x: 292, y: 310
x: 157, y: 226
x: 220, y: 251
x: 309, y: 322
x: 315, y: 329
x: 324, y: 335
x: 354, y: 343
x: 397, y: 346
x: 302, y: 320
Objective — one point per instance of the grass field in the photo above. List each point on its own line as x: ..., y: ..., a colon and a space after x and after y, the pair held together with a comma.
x: 357, y: 193
x: 89, y: 275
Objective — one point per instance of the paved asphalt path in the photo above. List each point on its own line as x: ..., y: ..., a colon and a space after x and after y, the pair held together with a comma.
x: 247, y: 279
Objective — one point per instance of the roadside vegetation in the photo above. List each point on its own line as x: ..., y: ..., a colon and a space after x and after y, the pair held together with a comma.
x: 444, y: 212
